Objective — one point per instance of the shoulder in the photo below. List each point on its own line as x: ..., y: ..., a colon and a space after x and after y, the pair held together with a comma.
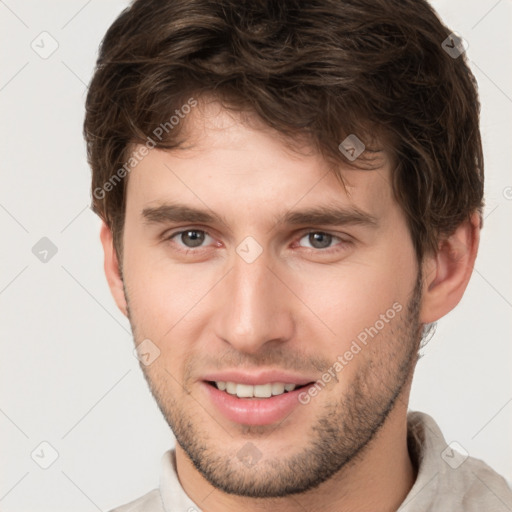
x: 484, y: 488
x: 150, y: 502
x: 449, y: 479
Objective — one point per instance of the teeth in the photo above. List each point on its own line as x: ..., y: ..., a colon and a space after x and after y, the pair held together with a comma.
x: 258, y: 391
x: 278, y: 388
x: 231, y: 388
x: 263, y: 390
x: 244, y: 391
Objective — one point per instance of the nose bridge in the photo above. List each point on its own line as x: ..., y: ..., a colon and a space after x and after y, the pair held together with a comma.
x: 256, y: 311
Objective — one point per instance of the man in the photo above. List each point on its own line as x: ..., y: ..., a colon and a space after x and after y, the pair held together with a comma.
x: 291, y: 194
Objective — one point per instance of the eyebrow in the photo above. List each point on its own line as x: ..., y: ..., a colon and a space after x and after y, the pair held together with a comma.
x: 329, y: 215
x: 326, y: 215
x: 178, y: 213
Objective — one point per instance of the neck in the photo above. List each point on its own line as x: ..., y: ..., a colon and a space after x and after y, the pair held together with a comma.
x: 378, y: 480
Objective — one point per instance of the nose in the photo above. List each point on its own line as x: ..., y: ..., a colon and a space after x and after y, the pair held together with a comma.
x: 257, y: 306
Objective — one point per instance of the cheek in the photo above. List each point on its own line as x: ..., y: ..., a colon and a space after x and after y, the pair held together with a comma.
x: 162, y: 305
x: 164, y: 296
x: 352, y: 297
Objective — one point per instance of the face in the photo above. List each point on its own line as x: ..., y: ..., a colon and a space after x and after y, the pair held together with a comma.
x: 284, y: 306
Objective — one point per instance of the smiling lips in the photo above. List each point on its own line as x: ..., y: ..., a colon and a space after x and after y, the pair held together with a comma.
x: 254, y: 400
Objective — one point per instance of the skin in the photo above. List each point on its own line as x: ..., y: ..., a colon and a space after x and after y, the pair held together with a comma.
x: 296, y: 307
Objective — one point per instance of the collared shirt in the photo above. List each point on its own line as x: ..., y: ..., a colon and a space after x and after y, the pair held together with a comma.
x: 447, y: 481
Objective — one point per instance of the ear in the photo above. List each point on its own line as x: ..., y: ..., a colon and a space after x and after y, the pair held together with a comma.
x: 446, y: 274
x: 112, y: 271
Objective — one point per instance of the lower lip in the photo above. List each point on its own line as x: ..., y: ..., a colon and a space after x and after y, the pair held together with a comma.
x: 254, y: 411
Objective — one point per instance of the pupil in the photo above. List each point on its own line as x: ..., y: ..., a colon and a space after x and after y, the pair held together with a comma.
x: 320, y: 240
x: 195, y: 237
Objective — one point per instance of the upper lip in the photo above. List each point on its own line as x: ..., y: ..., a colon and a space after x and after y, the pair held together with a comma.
x: 255, y: 378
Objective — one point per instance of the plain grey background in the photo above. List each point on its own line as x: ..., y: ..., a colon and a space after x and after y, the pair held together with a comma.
x: 68, y: 376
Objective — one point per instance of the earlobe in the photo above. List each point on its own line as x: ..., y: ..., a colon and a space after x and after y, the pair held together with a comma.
x: 112, y: 270
x: 447, y: 273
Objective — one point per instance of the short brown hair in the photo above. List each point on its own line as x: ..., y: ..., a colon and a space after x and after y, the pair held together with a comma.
x: 323, y: 69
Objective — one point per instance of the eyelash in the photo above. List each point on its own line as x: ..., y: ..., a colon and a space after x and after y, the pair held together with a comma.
x: 188, y: 250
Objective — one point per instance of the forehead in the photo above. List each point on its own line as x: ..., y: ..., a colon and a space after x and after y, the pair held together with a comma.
x: 230, y: 159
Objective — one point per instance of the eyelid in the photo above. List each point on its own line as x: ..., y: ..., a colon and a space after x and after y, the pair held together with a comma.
x: 176, y: 230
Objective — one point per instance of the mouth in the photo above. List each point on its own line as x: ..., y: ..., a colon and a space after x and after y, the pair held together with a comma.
x: 258, y: 391
x: 265, y: 403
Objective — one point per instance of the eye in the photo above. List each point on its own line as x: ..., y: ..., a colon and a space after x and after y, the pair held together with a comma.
x: 189, y: 238
x: 319, y: 239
